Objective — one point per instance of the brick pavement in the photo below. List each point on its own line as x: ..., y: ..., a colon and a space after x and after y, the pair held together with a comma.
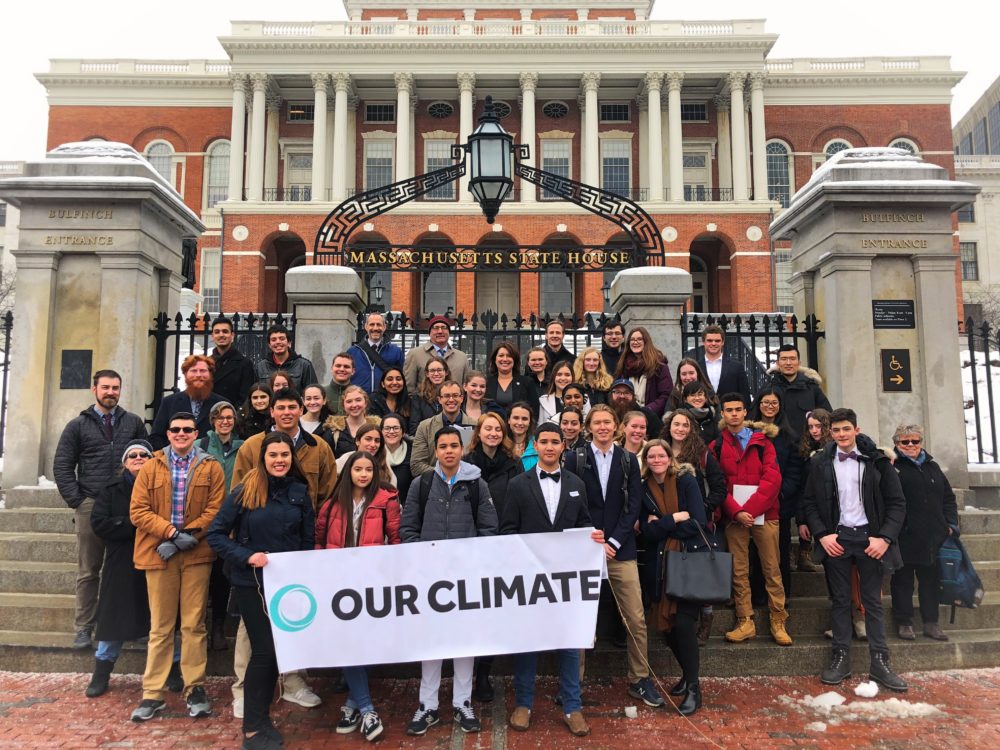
x: 50, y: 711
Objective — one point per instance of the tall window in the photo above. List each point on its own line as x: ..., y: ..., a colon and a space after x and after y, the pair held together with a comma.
x: 437, y: 154
x: 970, y: 261
x: 836, y: 147
x: 782, y: 272
x: 218, y: 173
x: 993, y: 120
x: 778, y: 179
x: 979, y: 144
x: 210, y: 279
x: 378, y: 163
x: 555, y: 159
x: 556, y: 293
x: 160, y: 156
x: 697, y: 176
x: 439, y: 293
x: 616, y: 166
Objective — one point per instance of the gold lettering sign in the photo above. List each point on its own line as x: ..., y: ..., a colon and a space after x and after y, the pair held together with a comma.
x: 79, y: 239
x: 81, y: 213
x: 893, y: 244
x: 891, y: 218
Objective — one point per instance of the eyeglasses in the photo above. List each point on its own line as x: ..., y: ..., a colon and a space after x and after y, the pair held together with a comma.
x: 185, y: 430
x: 392, y: 429
x: 911, y: 442
x: 225, y: 419
x: 134, y: 456
x: 770, y: 403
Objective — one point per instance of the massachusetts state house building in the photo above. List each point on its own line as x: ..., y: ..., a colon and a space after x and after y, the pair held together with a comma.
x: 693, y: 120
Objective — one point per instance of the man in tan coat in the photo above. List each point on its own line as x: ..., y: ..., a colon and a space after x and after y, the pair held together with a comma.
x: 418, y: 357
x: 175, y: 498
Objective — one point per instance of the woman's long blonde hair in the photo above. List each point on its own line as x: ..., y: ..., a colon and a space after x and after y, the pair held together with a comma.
x: 599, y: 381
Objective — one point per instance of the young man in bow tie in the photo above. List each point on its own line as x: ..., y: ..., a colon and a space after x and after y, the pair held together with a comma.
x: 854, y: 506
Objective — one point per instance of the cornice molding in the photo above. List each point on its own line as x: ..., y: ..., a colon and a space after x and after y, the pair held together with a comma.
x: 878, y: 79
x: 222, y: 82
x: 372, y: 45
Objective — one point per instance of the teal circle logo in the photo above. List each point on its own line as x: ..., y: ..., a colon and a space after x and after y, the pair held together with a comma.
x: 282, y: 622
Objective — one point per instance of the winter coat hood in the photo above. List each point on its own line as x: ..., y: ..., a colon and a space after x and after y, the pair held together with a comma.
x: 806, y: 372
x: 769, y: 430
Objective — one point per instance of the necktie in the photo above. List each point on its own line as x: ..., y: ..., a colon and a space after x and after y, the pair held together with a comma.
x: 845, y: 456
x: 441, y: 352
x: 554, y: 476
x: 108, y: 431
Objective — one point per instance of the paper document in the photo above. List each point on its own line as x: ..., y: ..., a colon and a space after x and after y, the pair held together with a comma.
x: 742, y: 493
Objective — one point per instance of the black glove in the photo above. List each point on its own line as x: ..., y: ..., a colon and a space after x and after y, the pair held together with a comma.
x: 185, y: 541
x: 166, y: 550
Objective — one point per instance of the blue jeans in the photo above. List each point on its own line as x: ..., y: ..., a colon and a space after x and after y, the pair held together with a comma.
x: 109, y: 650
x: 358, y: 695
x: 525, y: 668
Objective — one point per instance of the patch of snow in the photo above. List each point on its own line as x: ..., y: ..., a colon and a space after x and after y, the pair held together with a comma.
x: 834, y: 709
x: 824, y: 702
x: 46, y: 483
x: 815, y: 726
x: 866, y: 690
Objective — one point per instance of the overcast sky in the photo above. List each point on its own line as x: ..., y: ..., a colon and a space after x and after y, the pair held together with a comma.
x: 39, y: 30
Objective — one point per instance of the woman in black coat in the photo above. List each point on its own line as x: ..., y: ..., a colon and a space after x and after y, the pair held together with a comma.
x: 504, y: 387
x: 931, y: 517
x: 398, y: 448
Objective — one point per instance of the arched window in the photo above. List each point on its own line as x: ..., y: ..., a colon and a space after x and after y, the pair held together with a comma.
x: 779, y: 183
x: 439, y: 293
x: 835, y: 147
x: 218, y: 173
x: 904, y: 143
x: 556, y: 293
x: 160, y: 156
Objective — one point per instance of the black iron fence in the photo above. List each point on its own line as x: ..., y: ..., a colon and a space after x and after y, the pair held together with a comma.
x: 6, y: 328
x: 476, y: 335
x: 980, y: 356
x: 177, y: 337
x: 754, y: 339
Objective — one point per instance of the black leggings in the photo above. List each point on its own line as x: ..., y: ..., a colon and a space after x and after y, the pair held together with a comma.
x: 262, y: 670
x: 683, y: 639
x: 218, y: 592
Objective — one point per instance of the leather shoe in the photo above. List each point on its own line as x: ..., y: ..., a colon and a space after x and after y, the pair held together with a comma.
x: 882, y: 673
x: 692, y: 700
x: 839, y: 669
x: 933, y: 630
x: 680, y: 687
x: 520, y: 719
x: 906, y: 633
x: 577, y: 724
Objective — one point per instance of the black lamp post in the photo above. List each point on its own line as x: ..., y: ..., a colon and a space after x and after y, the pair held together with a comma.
x: 376, y: 290
x: 490, y: 150
x: 606, y: 291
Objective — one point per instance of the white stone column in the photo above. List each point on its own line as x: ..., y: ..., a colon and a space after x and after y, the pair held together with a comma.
x: 529, y: 82
x: 342, y: 84
x: 652, y: 83
x: 272, y: 148
x: 413, y: 136
x: 352, y: 139
x: 725, y: 143
x: 676, y: 141
x: 255, y: 182
x: 320, y: 83
x: 237, y: 137
x: 592, y: 163
x: 404, y: 87
x: 328, y: 171
x: 738, y: 130
x: 581, y: 102
x: 758, y: 136
x: 466, y: 89
x: 641, y: 104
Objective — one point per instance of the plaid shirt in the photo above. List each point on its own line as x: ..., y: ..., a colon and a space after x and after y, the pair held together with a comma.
x: 179, y: 466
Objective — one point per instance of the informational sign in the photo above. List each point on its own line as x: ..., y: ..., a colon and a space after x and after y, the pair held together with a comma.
x: 75, y: 368
x: 896, y: 375
x: 893, y: 313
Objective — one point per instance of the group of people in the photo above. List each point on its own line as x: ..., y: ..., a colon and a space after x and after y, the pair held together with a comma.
x: 250, y: 460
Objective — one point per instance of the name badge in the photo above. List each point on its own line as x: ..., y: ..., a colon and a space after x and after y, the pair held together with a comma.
x: 574, y: 493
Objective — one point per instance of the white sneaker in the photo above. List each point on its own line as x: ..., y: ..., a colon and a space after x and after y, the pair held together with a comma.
x: 237, y: 708
x: 303, y: 697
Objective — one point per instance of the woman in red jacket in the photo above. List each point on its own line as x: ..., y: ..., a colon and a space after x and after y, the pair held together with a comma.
x: 360, y: 513
x: 647, y: 368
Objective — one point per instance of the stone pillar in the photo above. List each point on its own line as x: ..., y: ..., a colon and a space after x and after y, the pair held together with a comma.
x: 642, y: 106
x: 738, y: 130
x: 352, y: 138
x: 529, y: 82
x: 676, y: 146
x: 342, y: 82
x: 272, y: 148
x: 320, y: 83
x: 654, y: 298
x: 466, y: 93
x: 592, y: 157
x: 328, y: 170
x: 581, y: 102
x: 652, y: 82
x: 255, y: 182
x: 99, y: 255
x: 404, y: 87
x: 326, y: 301
x: 724, y: 149
x: 758, y: 135
x: 237, y: 135
x: 876, y: 224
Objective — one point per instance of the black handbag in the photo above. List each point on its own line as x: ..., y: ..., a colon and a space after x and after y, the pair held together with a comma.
x: 704, y: 575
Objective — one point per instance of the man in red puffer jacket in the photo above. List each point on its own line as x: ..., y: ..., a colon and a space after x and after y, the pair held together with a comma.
x: 748, y: 460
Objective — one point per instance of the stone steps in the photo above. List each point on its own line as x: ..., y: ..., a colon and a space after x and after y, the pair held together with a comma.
x: 33, y: 497
x: 38, y: 520
x: 40, y: 547
x: 37, y: 577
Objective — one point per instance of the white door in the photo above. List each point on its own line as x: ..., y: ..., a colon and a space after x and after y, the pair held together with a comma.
x: 499, y: 292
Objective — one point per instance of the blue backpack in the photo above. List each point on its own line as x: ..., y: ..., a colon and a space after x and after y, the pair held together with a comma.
x: 960, y: 584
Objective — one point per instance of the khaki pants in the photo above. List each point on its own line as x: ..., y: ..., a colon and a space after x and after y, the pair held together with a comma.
x: 171, y: 589
x: 290, y: 681
x: 766, y: 539
x: 89, y: 559
x: 624, y: 579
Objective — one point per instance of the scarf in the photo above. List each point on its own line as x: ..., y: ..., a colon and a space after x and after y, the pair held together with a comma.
x: 490, y: 467
x: 665, y: 497
x: 396, y: 457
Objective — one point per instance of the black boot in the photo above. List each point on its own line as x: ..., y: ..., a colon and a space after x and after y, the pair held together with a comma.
x: 483, y: 691
x: 692, y: 699
x: 680, y: 687
x: 882, y: 673
x: 175, y: 682
x: 99, y: 680
x: 219, y: 642
x: 839, y: 669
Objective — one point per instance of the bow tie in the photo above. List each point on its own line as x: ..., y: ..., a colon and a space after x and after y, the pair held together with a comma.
x: 554, y: 476
x: 845, y: 456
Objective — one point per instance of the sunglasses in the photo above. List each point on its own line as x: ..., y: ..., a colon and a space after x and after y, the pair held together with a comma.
x: 185, y: 430
x: 910, y: 442
x: 134, y: 456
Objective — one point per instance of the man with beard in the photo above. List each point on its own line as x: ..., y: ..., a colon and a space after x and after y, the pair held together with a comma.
x: 300, y: 370
x: 235, y: 374
x: 622, y: 401
x: 88, y: 454
x: 197, y: 399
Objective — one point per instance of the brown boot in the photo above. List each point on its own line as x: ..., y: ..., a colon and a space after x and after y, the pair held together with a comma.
x: 705, y: 628
x: 778, y: 631
x: 744, y: 630
x: 805, y: 562
x: 577, y: 724
x: 520, y: 719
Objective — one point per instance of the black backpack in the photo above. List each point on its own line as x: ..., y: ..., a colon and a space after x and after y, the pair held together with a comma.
x: 960, y: 585
x: 427, y: 479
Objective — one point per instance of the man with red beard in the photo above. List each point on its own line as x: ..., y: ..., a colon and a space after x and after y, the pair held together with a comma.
x: 197, y: 399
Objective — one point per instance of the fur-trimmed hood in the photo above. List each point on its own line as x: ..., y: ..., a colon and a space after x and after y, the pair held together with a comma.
x: 338, y: 422
x: 684, y: 468
x: 806, y: 372
x: 770, y: 430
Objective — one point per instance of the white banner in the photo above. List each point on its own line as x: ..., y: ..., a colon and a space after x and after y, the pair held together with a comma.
x: 434, y: 600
